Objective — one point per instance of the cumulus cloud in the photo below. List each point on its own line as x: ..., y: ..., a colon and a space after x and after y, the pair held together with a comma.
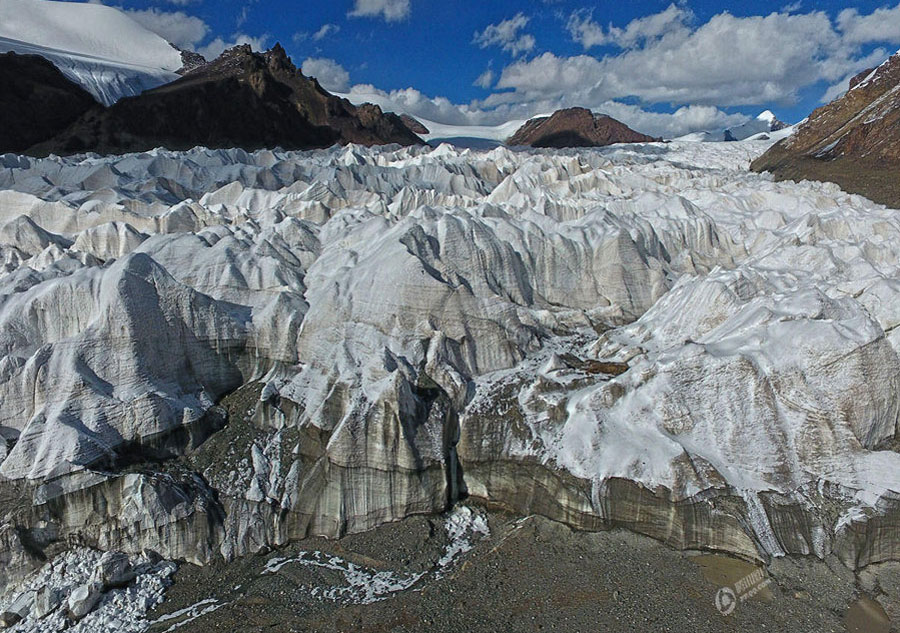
x: 417, y: 104
x: 664, y: 58
x: 588, y: 33
x: 330, y: 74
x: 182, y: 30
x: 684, y: 120
x: 390, y: 10
x: 216, y: 47
x: 882, y: 25
x: 439, y: 109
x: 507, y: 35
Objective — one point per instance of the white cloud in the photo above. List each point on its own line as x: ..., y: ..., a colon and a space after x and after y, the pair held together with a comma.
x: 330, y: 74
x: 882, y: 25
x: 390, y: 10
x: 684, y: 120
x: 584, y: 30
x: 667, y: 60
x: 507, y: 35
x: 439, y: 109
x: 182, y: 30
x: 485, y: 80
x: 325, y: 31
x: 216, y: 47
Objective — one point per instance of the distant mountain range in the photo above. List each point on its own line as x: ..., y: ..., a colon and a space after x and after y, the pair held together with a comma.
x: 117, y: 87
x: 151, y: 94
x: 242, y: 99
x: 762, y: 126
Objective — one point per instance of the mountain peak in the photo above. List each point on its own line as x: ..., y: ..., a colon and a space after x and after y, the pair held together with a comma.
x: 241, y: 99
x: 575, y: 127
x: 277, y: 58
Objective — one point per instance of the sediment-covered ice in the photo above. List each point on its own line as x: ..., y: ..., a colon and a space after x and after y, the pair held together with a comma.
x: 541, y: 329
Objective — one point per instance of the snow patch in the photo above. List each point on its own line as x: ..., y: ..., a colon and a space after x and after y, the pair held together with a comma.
x: 363, y: 585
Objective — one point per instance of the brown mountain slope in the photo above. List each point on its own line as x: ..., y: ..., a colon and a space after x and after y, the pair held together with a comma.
x: 575, y: 127
x: 242, y: 99
x: 413, y: 124
x: 36, y: 101
x: 853, y: 141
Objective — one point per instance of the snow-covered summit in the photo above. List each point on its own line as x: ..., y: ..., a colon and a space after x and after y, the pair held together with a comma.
x: 98, y: 47
x: 764, y: 123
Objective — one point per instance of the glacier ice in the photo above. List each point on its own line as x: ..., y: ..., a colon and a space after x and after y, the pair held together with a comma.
x: 648, y: 336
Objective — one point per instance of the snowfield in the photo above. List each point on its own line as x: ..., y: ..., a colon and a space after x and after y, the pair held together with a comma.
x: 654, y: 313
x: 98, y: 47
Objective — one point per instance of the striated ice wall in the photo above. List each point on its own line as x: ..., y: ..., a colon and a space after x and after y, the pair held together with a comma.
x: 212, y: 352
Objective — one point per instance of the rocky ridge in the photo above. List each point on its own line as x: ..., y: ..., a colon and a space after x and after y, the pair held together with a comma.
x: 852, y: 141
x: 37, y: 101
x: 242, y: 99
x: 413, y: 124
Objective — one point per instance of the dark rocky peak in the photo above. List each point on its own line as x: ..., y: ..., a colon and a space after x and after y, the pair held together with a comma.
x: 189, y: 60
x: 277, y: 59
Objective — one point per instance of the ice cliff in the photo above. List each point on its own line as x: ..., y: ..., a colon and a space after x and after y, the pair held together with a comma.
x: 211, y: 352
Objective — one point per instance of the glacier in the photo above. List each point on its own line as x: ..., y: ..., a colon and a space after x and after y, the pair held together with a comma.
x: 213, y: 352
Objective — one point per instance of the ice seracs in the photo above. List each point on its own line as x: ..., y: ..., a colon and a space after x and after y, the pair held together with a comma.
x: 647, y: 336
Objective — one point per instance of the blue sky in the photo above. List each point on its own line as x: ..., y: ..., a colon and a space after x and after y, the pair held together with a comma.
x: 662, y: 67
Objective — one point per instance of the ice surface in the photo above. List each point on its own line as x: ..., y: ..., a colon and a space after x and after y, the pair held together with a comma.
x: 119, y: 610
x: 757, y: 319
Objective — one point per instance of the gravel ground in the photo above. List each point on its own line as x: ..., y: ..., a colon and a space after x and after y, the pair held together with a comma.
x: 529, y: 574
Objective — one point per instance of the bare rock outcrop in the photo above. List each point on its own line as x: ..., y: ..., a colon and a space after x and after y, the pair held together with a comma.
x: 413, y: 124
x: 575, y: 127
